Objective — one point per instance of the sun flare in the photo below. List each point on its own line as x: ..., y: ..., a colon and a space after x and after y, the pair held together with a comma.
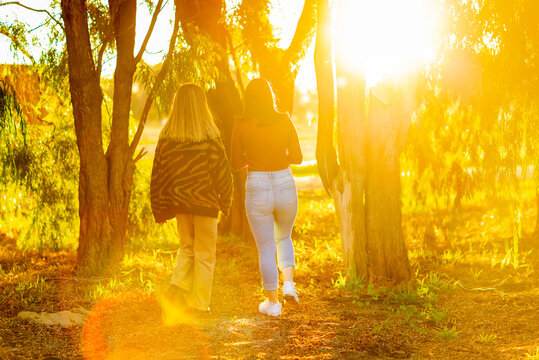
x: 385, y: 38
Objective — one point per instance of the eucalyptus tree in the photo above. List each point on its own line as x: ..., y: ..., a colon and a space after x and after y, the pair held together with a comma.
x: 91, y: 29
x: 504, y: 38
x: 362, y: 174
x: 89, y: 32
x: 105, y: 177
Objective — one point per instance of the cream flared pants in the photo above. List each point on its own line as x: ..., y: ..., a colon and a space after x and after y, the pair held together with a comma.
x: 196, y: 258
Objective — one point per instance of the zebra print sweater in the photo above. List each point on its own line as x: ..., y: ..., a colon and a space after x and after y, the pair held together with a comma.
x: 190, y: 178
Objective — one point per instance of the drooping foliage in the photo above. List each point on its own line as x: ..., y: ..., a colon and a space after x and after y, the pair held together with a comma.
x: 12, y: 131
x: 477, y: 128
x: 188, y: 64
x: 39, y: 167
x: 474, y: 138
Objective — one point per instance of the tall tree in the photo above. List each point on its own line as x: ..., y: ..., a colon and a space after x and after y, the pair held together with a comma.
x: 105, y: 178
x: 504, y: 37
x: 364, y: 177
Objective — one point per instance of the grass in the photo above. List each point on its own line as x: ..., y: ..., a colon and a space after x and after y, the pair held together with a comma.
x: 308, y: 168
x: 487, y: 338
x: 448, y: 333
x: 476, y: 272
x: 31, y: 292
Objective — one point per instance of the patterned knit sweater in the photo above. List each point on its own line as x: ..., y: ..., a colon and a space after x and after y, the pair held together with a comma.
x: 190, y: 178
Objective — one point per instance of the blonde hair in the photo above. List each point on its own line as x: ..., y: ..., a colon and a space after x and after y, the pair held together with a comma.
x: 190, y: 119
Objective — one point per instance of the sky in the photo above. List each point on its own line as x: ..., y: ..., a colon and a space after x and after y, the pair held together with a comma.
x: 283, y: 14
x: 154, y: 51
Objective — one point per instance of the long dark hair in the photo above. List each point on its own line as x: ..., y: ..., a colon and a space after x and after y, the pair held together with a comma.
x: 259, y: 102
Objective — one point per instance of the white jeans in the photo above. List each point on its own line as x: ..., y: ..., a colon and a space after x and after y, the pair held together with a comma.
x: 271, y: 203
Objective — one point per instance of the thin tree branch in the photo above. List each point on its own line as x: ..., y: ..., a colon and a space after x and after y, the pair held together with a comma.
x: 100, y: 57
x: 158, y: 81
x: 141, y: 154
x: 36, y: 10
x: 149, y: 33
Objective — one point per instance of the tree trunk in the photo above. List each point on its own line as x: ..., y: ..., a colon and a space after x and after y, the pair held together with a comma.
x: 349, y: 203
x: 326, y: 155
x: 364, y: 180
x: 537, y: 207
x: 121, y: 164
x: 343, y: 179
x: 388, y: 259
x: 105, y: 181
x: 86, y: 97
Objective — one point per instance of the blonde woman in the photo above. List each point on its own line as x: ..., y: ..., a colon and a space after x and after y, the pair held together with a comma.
x: 191, y: 181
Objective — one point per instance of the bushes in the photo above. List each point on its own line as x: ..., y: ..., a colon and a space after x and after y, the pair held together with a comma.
x: 40, y: 204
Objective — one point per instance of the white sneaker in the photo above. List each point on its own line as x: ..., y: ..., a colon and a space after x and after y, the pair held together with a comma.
x: 289, y: 293
x: 269, y: 308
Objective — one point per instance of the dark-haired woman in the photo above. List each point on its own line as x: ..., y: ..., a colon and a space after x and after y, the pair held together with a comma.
x: 266, y: 141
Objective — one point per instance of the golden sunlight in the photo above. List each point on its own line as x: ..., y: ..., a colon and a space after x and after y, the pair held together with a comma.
x: 385, y: 38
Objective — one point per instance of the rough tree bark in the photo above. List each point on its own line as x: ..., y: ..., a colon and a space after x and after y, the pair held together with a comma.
x: 86, y: 97
x: 386, y: 129
x: 343, y: 177
x: 537, y: 207
x: 351, y: 145
x: 105, y: 180
x: 364, y: 178
x: 120, y: 161
x: 536, y: 178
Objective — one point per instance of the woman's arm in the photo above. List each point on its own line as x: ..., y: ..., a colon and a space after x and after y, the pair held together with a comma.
x: 237, y: 150
x: 294, y: 155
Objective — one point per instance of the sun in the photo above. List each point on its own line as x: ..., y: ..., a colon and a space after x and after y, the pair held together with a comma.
x: 385, y: 39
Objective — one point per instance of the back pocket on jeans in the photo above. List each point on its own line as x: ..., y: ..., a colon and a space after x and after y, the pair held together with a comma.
x: 289, y: 193
x: 256, y: 194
